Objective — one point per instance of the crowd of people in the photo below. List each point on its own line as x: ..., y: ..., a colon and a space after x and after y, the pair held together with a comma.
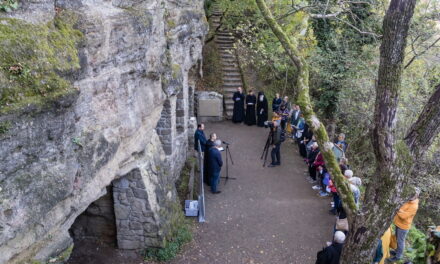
x: 288, y: 121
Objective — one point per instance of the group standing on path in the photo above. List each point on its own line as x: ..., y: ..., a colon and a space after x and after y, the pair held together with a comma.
x: 288, y: 118
x: 212, y: 158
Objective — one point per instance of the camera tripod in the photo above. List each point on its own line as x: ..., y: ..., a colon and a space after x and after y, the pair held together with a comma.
x: 228, y: 156
x: 266, y: 147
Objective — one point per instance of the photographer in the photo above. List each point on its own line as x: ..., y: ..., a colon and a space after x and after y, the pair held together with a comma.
x: 277, y: 139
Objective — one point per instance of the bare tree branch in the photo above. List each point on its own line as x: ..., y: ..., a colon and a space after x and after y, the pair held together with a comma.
x: 427, y: 126
x: 359, y: 30
x: 421, y: 53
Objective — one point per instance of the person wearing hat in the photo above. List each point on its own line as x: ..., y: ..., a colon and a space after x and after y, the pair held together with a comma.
x: 403, y: 220
x: 332, y: 253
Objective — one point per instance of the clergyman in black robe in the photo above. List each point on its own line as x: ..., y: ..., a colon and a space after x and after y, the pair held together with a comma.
x: 238, y: 114
x: 262, y: 107
x: 251, y: 100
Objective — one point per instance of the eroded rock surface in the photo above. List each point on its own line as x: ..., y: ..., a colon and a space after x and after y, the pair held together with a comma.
x: 126, y: 126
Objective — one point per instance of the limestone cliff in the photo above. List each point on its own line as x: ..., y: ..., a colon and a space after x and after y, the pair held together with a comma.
x: 120, y: 118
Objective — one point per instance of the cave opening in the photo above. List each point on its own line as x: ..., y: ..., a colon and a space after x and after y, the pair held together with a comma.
x: 94, y: 231
x: 97, y: 223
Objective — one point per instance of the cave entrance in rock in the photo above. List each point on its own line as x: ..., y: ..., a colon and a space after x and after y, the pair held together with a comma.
x: 94, y: 228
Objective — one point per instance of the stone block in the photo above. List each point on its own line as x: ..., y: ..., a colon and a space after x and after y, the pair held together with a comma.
x: 140, y: 193
x: 135, y: 225
x: 122, y: 183
x: 150, y: 228
x: 121, y: 212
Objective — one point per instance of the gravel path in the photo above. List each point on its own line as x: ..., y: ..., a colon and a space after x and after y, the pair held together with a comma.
x: 267, y: 215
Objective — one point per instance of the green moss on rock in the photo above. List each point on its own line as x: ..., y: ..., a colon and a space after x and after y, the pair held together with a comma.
x: 33, y: 59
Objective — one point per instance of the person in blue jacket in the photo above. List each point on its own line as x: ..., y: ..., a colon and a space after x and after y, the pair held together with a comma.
x: 215, y: 165
x: 199, y: 135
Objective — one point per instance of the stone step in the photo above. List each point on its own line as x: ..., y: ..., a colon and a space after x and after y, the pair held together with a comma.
x: 230, y: 90
x: 231, y: 69
x: 237, y: 80
x: 231, y: 38
x: 226, y: 49
x: 227, y: 55
x: 218, y: 41
x: 236, y: 84
x: 229, y: 107
x: 224, y: 33
x: 226, y: 46
x: 229, y: 63
x: 229, y: 60
x: 231, y: 74
x: 228, y: 79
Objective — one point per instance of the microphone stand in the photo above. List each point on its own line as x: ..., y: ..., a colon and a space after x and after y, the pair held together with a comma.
x: 228, y: 155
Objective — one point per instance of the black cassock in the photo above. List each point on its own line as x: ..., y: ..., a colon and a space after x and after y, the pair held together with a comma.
x: 262, y: 107
x: 251, y: 100
x: 238, y: 115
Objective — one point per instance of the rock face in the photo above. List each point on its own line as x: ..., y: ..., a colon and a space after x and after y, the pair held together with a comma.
x: 126, y: 126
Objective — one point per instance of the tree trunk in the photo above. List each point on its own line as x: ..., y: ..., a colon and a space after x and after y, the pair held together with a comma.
x: 393, y: 160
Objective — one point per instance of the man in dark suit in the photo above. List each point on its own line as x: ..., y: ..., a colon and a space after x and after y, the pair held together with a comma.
x: 332, y: 253
x: 215, y: 165
x: 200, y: 136
x: 208, y: 146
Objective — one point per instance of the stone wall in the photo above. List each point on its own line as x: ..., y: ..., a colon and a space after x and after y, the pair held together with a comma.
x: 126, y: 122
x: 136, y: 223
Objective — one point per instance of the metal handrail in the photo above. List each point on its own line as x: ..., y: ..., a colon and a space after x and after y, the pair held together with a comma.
x: 202, y: 190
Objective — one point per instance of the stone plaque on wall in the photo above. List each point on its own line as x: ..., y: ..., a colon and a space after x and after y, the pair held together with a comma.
x: 209, y: 106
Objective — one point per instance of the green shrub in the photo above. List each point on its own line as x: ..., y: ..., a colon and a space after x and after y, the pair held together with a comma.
x: 4, y: 127
x: 418, y: 247
x: 172, y: 247
x: 8, y: 5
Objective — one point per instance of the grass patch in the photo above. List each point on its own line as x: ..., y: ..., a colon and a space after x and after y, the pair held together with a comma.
x: 172, y: 247
x: 182, y: 185
x: 4, y: 127
x: 33, y: 59
x: 212, y: 69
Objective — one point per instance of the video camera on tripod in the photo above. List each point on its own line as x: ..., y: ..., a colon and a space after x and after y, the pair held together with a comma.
x: 268, y: 124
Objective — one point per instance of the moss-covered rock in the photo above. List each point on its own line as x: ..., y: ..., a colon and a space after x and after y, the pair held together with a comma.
x: 33, y: 59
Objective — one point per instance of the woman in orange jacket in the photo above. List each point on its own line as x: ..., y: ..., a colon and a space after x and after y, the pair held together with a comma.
x: 403, y: 221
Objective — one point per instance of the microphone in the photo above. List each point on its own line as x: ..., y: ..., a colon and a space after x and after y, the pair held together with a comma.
x: 226, y: 143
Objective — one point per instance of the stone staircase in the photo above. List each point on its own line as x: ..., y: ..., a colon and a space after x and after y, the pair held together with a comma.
x: 231, y: 72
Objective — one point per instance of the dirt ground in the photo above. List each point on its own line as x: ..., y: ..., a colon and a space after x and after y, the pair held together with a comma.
x: 267, y: 215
